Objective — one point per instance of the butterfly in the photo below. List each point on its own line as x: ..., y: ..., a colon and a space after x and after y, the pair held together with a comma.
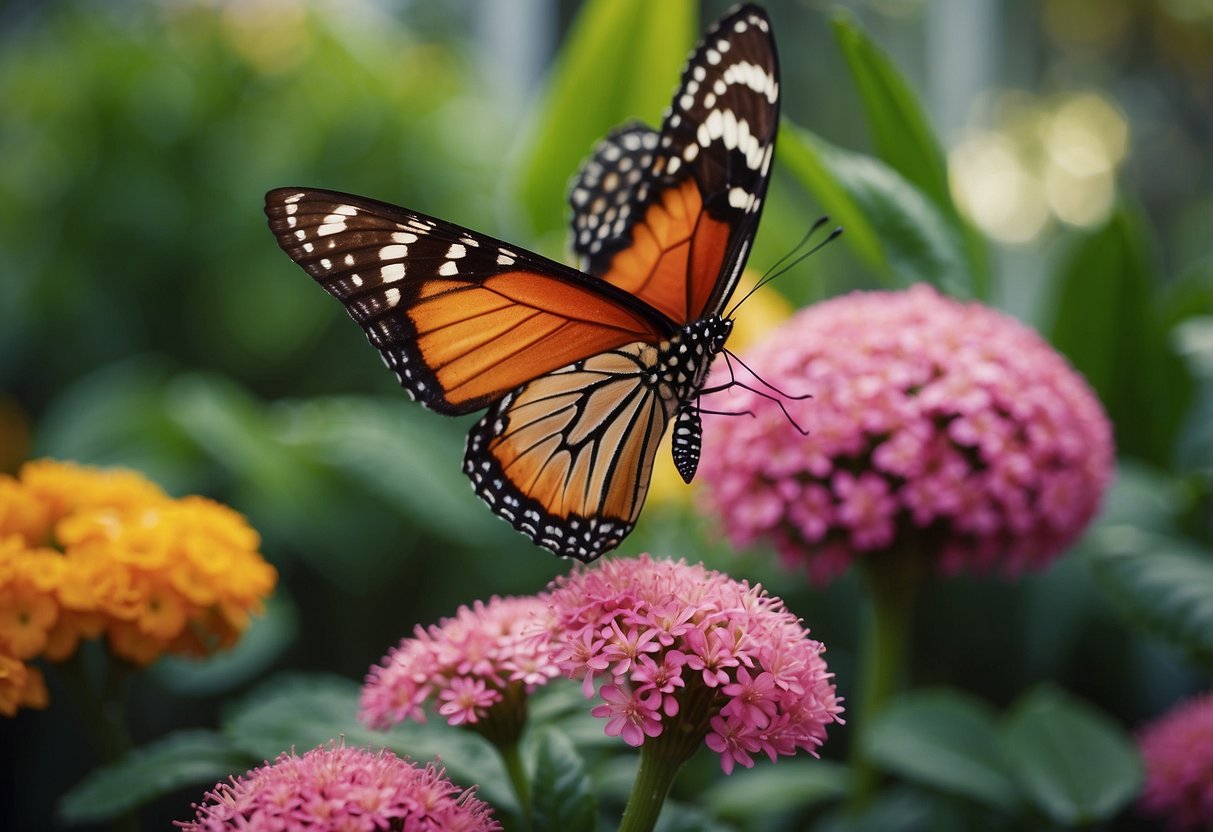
x: 581, y: 370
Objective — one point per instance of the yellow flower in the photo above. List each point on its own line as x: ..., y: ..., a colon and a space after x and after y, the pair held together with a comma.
x: 151, y: 573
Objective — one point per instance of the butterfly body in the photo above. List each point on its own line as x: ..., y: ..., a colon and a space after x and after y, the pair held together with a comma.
x: 581, y: 370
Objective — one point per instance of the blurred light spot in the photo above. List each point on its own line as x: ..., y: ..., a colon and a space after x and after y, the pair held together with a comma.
x: 272, y: 35
x: 1080, y: 198
x: 899, y: 8
x: 1086, y: 135
x: 996, y: 189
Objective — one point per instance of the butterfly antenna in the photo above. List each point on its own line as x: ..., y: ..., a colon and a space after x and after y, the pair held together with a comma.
x: 764, y: 382
x: 779, y: 268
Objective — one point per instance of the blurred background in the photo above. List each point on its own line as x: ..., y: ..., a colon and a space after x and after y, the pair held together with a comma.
x: 147, y: 319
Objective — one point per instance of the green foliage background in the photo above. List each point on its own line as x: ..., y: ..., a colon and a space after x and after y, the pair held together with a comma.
x: 147, y: 319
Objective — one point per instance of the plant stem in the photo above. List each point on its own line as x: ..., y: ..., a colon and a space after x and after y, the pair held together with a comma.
x: 891, y: 579
x: 101, y: 703
x: 514, y: 767
x: 653, y: 781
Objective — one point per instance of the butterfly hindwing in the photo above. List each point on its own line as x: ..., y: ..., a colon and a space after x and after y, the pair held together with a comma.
x: 460, y: 317
x: 567, y: 458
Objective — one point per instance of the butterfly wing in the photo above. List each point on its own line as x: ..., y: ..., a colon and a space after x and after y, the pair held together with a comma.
x: 567, y: 458
x: 677, y: 236
x: 460, y: 317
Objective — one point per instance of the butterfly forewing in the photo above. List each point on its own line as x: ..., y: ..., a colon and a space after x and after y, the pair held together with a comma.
x: 460, y: 317
x: 679, y: 236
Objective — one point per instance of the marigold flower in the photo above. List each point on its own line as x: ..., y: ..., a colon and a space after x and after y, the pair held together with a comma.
x: 932, y: 422
x: 689, y: 655
x: 1177, y: 750
x: 151, y: 573
x: 338, y: 788
x: 479, y: 665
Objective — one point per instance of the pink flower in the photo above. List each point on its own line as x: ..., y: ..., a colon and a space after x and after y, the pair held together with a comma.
x: 338, y: 788
x: 479, y: 665
x: 933, y: 424
x: 1178, y: 753
x: 688, y: 656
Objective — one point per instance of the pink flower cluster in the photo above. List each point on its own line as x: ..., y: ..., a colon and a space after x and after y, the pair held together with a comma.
x: 1178, y: 753
x: 693, y: 655
x: 933, y: 423
x: 467, y: 663
x: 338, y: 788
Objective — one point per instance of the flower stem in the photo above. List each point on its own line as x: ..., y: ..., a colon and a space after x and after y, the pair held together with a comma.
x: 101, y: 703
x: 515, y: 768
x: 653, y: 781
x: 891, y: 579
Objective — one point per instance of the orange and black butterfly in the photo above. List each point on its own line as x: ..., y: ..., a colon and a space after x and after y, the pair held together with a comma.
x: 582, y: 371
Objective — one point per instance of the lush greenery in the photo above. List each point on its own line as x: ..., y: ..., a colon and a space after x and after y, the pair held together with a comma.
x: 148, y: 320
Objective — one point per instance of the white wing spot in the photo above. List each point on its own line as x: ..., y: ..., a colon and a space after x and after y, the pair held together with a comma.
x: 504, y: 260
x: 403, y: 237
x: 326, y: 264
x: 309, y: 248
x: 393, y: 252
x: 349, y: 260
x: 392, y: 297
x: 448, y: 269
x: 392, y: 272
x: 456, y: 251
x: 356, y: 280
x: 293, y: 198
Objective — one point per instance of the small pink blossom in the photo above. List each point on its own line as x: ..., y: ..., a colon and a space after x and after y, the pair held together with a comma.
x: 1177, y: 750
x: 695, y: 656
x: 467, y: 663
x: 338, y: 788
x: 931, y: 422
x: 630, y: 715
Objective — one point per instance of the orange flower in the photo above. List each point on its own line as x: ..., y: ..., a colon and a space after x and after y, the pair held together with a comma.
x: 151, y: 573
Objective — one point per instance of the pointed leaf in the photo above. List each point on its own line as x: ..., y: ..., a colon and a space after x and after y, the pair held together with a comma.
x: 1070, y: 760
x: 947, y: 740
x: 889, y: 223
x: 1162, y: 583
x: 562, y: 796
x: 903, y: 136
x: 188, y: 758
x: 621, y: 60
x: 1106, y: 323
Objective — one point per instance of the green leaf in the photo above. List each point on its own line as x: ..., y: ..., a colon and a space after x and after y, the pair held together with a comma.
x: 903, y: 136
x: 562, y: 796
x: 1106, y: 323
x: 188, y: 758
x: 888, y: 222
x: 787, y: 785
x: 1163, y: 584
x: 620, y: 61
x: 1070, y: 760
x: 947, y: 740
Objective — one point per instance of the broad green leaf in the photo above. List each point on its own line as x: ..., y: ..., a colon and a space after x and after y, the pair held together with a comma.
x: 1070, y: 760
x: 561, y: 793
x: 1105, y: 322
x: 1160, y: 582
x: 621, y: 61
x: 888, y: 222
x: 903, y: 136
x: 786, y: 785
x: 303, y: 712
x: 188, y: 758
x: 947, y: 740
